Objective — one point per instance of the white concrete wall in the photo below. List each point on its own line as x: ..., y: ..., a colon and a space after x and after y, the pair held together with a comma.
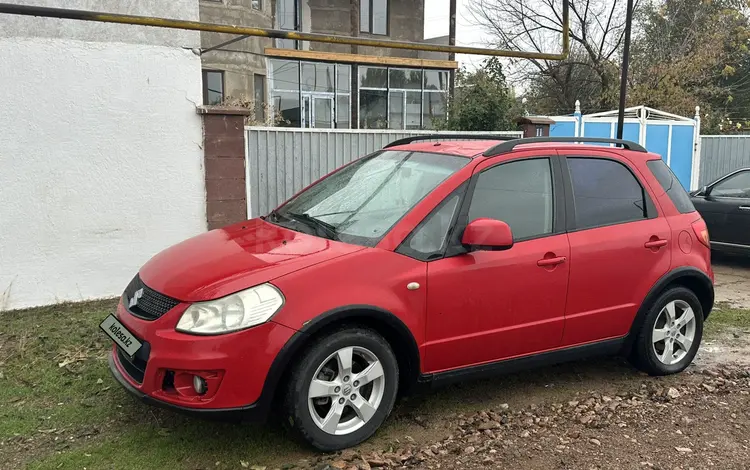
x: 100, y: 150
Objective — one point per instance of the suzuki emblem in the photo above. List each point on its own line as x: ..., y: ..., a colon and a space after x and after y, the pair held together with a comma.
x: 134, y: 300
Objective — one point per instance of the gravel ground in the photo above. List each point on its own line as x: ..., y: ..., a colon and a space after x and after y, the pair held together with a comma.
x: 698, y: 419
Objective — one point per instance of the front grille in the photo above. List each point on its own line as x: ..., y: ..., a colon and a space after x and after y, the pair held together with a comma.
x: 149, y: 304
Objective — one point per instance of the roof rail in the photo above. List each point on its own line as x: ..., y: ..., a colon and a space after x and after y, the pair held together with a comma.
x: 416, y: 138
x: 506, y: 147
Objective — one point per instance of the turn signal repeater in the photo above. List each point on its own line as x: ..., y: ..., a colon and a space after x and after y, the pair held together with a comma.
x: 701, y: 232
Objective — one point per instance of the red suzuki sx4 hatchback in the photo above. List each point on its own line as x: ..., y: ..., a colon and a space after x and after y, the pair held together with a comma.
x: 422, y: 263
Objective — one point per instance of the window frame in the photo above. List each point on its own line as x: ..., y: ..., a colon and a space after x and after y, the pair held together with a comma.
x: 204, y: 85
x: 370, y: 16
x: 259, y: 7
x: 423, y: 90
x: 271, y: 89
x: 652, y: 212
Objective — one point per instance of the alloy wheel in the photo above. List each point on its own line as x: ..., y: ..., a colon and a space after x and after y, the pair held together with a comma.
x: 674, y: 332
x: 346, y: 390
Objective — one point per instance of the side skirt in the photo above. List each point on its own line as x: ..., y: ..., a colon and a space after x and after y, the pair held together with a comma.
x: 601, y: 348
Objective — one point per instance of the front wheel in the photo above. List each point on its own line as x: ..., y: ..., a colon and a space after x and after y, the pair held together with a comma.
x: 343, y: 389
x: 671, y: 333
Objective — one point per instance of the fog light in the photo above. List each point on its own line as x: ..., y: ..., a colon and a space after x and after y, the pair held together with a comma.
x: 199, y: 385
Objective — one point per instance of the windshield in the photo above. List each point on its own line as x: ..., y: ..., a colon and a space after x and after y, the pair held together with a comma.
x: 360, y: 203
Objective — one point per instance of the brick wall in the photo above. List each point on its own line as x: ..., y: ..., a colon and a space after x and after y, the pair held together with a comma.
x: 224, y: 154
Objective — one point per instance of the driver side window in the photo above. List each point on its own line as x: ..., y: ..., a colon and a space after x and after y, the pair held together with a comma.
x: 734, y: 186
x: 518, y: 193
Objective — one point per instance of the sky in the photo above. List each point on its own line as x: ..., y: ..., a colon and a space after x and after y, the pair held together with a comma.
x: 436, y: 24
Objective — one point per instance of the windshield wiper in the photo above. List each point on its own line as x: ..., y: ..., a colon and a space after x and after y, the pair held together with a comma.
x: 310, y: 221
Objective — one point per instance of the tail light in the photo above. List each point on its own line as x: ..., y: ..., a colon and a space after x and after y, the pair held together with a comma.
x: 701, y: 231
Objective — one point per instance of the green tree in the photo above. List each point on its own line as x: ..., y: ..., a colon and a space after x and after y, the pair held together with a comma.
x: 693, y: 52
x: 482, y: 100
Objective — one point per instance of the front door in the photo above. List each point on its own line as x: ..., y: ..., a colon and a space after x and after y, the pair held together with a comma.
x: 323, y: 112
x: 317, y: 111
x: 485, y: 306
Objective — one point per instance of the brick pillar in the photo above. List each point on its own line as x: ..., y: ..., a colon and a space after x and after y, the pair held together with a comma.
x: 224, y: 157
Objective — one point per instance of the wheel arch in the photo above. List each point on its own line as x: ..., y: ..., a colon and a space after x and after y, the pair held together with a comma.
x: 686, y: 276
x: 383, y: 322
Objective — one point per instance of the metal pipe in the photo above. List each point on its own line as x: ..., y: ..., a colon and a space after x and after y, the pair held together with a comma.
x: 83, y: 15
x: 625, y: 64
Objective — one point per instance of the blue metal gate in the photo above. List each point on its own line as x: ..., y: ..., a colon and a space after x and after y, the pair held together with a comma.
x: 675, y: 138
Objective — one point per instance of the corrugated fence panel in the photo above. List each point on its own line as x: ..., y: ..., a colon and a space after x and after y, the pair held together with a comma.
x: 721, y: 155
x: 282, y: 161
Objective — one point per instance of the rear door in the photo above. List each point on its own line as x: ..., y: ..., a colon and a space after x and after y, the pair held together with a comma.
x: 726, y: 209
x: 619, y: 246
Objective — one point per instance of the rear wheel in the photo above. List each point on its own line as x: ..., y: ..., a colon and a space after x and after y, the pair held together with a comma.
x: 343, y: 389
x: 671, y: 333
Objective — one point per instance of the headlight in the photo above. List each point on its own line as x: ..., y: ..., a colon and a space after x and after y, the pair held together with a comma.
x: 234, y: 312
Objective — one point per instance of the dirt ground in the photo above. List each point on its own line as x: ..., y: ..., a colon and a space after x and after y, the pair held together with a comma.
x: 732, y: 280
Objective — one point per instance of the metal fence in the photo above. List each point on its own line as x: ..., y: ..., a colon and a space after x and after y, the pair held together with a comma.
x: 280, y: 161
x: 722, y: 154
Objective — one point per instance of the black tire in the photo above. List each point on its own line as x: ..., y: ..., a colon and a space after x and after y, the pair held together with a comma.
x: 643, y: 355
x: 297, y: 413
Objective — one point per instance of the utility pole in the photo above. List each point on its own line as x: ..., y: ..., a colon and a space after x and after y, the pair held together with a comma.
x: 452, y: 42
x: 625, y: 63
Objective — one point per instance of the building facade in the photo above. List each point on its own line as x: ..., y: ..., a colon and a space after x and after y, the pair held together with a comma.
x: 318, y: 85
x: 101, y: 165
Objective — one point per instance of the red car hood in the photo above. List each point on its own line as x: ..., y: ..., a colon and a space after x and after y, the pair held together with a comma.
x: 224, y: 261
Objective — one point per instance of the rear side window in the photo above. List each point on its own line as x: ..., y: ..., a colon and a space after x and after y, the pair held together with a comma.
x: 605, y: 192
x: 671, y: 185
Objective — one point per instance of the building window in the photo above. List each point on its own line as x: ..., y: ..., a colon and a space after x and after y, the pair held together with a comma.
x: 287, y: 16
x: 311, y: 94
x: 213, y: 86
x: 259, y: 88
x: 396, y: 98
x: 257, y: 4
x: 539, y: 131
x: 373, y: 16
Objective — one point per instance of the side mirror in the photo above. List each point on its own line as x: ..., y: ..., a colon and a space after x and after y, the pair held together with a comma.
x: 487, y: 234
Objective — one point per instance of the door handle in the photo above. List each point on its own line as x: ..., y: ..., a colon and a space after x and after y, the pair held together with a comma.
x: 655, y: 244
x: 551, y: 261
x: 745, y: 208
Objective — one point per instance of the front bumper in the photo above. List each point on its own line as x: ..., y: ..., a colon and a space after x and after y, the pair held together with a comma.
x: 238, y: 362
x: 251, y: 413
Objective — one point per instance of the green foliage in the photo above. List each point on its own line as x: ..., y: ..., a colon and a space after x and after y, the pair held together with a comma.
x: 482, y: 100
x: 684, y: 53
x: 693, y: 52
